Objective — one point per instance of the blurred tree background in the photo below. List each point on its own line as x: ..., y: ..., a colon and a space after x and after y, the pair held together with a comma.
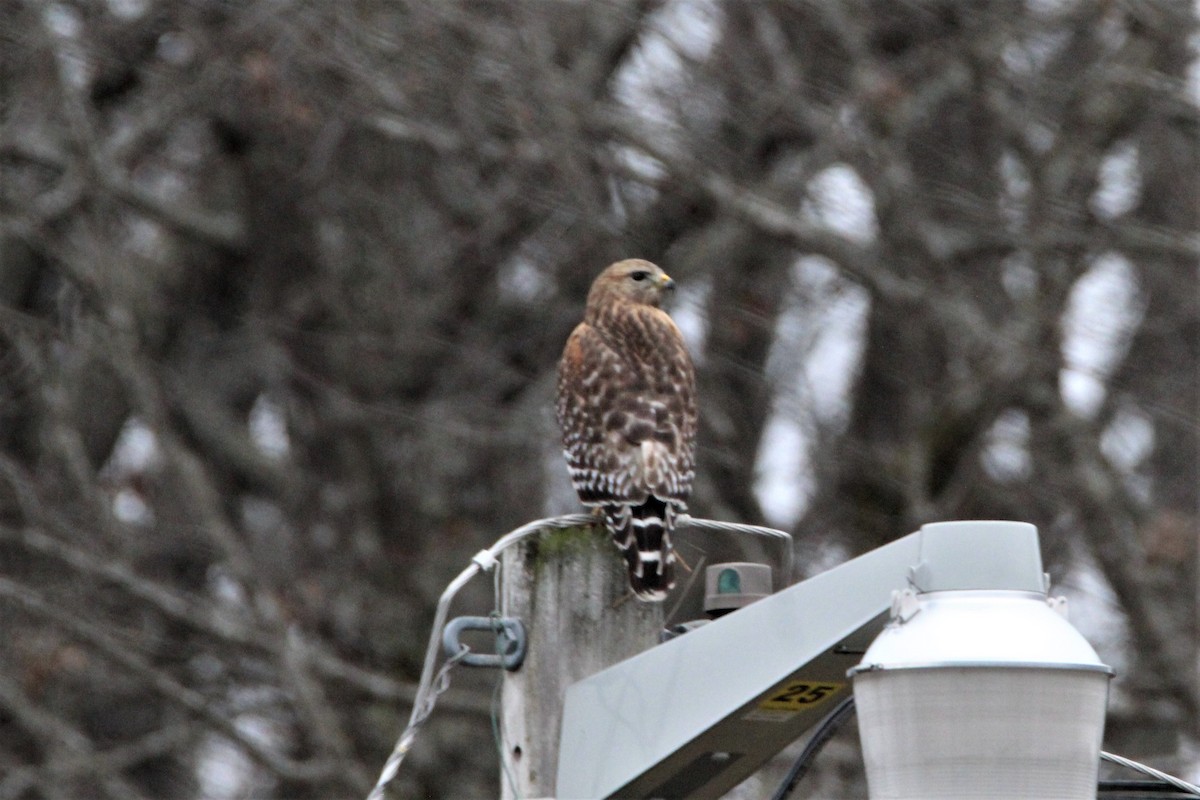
x: 283, y: 285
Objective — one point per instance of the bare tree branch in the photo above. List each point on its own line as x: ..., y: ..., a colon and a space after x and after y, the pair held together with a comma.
x: 164, y: 684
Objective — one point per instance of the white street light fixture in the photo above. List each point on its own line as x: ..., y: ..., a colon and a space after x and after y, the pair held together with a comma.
x: 979, y: 687
x: 974, y: 685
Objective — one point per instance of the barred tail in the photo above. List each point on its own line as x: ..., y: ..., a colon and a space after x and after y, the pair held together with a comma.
x: 643, y: 535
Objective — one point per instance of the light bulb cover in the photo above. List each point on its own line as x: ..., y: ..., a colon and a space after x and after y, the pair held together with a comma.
x: 979, y: 691
x: 1000, y: 733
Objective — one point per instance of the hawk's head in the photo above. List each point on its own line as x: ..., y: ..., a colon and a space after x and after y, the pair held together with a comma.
x: 631, y: 281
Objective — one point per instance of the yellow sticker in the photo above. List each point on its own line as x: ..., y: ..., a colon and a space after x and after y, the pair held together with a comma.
x: 799, y: 695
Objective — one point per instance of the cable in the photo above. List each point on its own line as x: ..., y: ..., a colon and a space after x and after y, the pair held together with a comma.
x: 688, y: 521
x: 498, y: 737
x: 486, y: 560
x: 422, y: 708
x: 824, y: 732
x: 423, y: 703
x: 1142, y: 789
x: 496, y: 711
x: 1178, y: 783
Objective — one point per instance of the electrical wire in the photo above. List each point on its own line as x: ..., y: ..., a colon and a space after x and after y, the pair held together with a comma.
x: 486, y: 560
x: 781, y: 537
x: 1178, y: 783
x: 498, y: 737
x: 1142, y: 789
x: 422, y: 708
x: 424, y: 702
x: 496, y: 710
x: 824, y: 732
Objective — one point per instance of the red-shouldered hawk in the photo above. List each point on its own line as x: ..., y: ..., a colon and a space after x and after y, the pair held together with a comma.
x: 627, y: 409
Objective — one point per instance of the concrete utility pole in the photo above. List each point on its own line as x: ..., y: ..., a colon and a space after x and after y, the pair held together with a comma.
x: 570, y: 588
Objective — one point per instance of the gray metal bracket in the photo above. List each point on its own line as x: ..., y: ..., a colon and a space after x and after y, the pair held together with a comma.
x: 510, y: 641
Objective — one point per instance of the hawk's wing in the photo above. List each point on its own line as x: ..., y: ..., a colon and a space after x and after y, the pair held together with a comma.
x: 627, y: 409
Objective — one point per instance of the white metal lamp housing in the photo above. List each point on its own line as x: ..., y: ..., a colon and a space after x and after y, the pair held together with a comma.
x: 979, y: 687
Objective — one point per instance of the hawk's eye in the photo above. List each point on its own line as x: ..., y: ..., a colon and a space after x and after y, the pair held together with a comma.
x: 640, y: 275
